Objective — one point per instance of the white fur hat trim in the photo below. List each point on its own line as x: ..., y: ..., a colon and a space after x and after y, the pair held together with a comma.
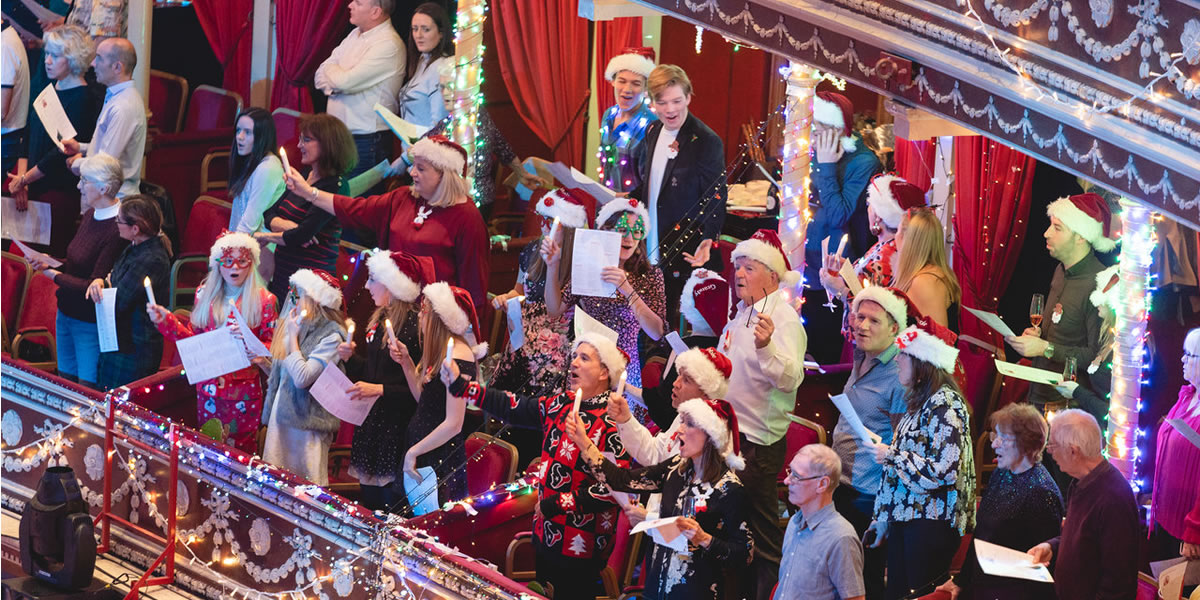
x: 879, y: 197
x: 687, y: 303
x: 569, y: 213
x: 441, y: 156
x: 918, y: 344
x: 617, y: 205
x: 316, y: 288
x: 385, y: 271
x: 441, y: 298
x: 706, y: 375
x: 233, y: 239
x: 704, y: 417
x: 1112, y: 297
x: 828, y: 113
x: 610, y: 355
x: 635, y: 63
x: 894, y: 305
x: 1078, y: 221
x: 769, y: 256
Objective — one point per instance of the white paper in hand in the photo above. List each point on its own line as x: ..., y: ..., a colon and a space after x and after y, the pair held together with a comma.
x: 585, y: 323
x: 842, y: 402
x: 106, y: 320
x: 1006, y: 562
x: 516, y: 329
x: 50, y: 110
x: 992, y: 320
x: 406, y: 131
x: 593, y: 251
x: 254, y: 346
x: 330, y: 391
x: 422, y: 495
x: 1028, y: 373
x: 211, y: 354
x: 33, y: 255
x: 850, y: 277
x: 30, y: 225
x: 676, y: 342
x: 664, y: 532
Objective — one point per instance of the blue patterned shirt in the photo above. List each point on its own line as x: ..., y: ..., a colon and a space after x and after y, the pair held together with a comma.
x: 618, y: 169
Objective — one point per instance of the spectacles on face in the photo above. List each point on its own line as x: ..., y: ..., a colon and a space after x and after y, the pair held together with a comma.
x: 637, y: 230
x: 304, y: 139
x: 1006, y: 438
x: 797, y: 478
x: 228, y: 263
x: 125, y: 223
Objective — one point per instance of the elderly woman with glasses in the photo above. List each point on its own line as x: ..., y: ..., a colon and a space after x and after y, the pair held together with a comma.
x: 1175, y: 506
x: 640, y: 303
x: 1020, y: 508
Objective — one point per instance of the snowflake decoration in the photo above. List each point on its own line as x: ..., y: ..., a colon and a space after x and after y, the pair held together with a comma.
x: 260, y: 537
x: 343, y: 578
x: 93, y: 462
x: 10, y: 428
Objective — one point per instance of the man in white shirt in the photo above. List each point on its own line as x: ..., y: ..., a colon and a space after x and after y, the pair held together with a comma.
x: 366, y: 69
x: 14, y: 102
x: 121, y: 128
x: 765, y: 342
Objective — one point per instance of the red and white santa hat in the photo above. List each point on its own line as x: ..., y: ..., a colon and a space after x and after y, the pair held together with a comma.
x: 639, y: 61
x: 574, y: 207
x: 614, y: 359
x: 401, y: 273
x: 765, y: 247
x: 931, y: 343
x: 716, y: 418
x: 319, y: 285
x: 453, y: 305
x: 441, y: 152
x: 1108, y: 289
x: 895, y: 302
x: 705, y: 302
x: 836, y: 110
x: 628, y: 205
x: 235, y: 245
x: 1087, y: 215
x: 890, y: 196
x: 708, y: 368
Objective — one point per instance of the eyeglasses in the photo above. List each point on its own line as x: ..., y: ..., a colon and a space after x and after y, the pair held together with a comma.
x: 637, y: 230
x: 794, y: 477
x: 241, y: 263
x: 304, y: 139
x: 1003, y: 437
x: 125, y: 223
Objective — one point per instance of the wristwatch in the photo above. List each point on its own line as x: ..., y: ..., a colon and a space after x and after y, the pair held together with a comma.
x: 1049, y: 351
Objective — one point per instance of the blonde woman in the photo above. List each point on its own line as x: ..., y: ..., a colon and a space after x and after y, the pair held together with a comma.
x: 922, y: 271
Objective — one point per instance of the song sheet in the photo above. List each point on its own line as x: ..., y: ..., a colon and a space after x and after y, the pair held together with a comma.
x: 593, y: 251
x: 211, y: 354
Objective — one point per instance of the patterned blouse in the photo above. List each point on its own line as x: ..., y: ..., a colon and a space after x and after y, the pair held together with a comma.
x: 929, y: 473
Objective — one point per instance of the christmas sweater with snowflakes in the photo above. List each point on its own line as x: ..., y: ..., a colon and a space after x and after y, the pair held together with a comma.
x: 575, y: 514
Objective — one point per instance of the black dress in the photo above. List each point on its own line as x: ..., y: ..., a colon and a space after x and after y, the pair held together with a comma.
x: 1017, y: 511
x: 376, y: 455
x: 449, y: 459
x: 58, y: 186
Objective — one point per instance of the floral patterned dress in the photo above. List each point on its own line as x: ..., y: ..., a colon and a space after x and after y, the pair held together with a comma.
x: 234, y: 399
x: 537, y: 367
x: 720, y: 510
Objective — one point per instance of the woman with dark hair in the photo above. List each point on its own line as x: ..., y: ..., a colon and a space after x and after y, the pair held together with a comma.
x: 148, y: 256
x: 699, y: 487
x: 255, y: 172
x: 305, y: 236
x: 926, y: 498
x: 639, y: 305
x: 1021, y: 506
x: 430, y: 48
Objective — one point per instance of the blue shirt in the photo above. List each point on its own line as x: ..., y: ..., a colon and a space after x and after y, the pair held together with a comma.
x: 822, y: 558
x: 618, y: 169
x: 875, y: 392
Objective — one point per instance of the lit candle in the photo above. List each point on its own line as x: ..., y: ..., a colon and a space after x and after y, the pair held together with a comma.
x: 842, y: 244
x: 449, y: 348
x: 621, y: 385
x: 391, y: 332
x: 554, y: 227
x: 303, y: 314
x: 350, y: 328
x: 578, y: 399
x: 149, y: 290
x: 283, y: 157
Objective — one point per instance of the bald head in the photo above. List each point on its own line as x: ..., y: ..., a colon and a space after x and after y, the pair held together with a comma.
x: 115, y: 61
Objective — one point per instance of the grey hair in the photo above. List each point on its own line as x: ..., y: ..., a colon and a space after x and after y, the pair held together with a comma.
x: 74, y: 43
x: 1077, y: 428
x: 102, y: 170
x: 1191, y: 343
x: 823, y: 461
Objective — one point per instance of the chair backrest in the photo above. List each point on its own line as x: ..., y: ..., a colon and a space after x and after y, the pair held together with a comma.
x: 491, y: 461
x: 208, y: 218
x: 167, y: 95
x: 212, y: 108
x: 15, y: 274
x: 214, y: 171
x: 287, y: 129
x: 41, y: 306
x: 1147, y: 587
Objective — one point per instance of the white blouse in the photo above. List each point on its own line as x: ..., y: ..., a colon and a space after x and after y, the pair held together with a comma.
x: 421, y: 98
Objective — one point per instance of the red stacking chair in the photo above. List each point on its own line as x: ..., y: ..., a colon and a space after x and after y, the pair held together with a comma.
x: 15, y: 275
x: 35, y: 325
x: 209, y: 217
x: 168, y: 93
x: 212, y: 108
x: 287, y: 129
x: 1147, y: 588
x: 800, y: 433
x: 489, y: 461
x: 214, y: 175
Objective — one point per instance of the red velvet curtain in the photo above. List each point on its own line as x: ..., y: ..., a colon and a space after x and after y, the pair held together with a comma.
x: 543, y: 50
x: 306, y: 31
x: 611, y: 38
x: 915, y: 161
x: 227, y: 25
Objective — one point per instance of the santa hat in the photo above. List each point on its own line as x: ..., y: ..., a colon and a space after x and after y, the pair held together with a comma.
x: 574, y: 207
x: 441, y: 152
x: 1108, y: 290
x: 705, y: 302
x: 931, y: 343
x: 613, y: 358
x: 400, y: 272
x: 765, y: 247
x: 231, y: 244
x: 318, y: 285
x: 636, y: 60
x: 457, y: 311
x: 895, y: 302
x: 1087, y: 215
x: 891, y: 196
x: 617, y: 205
x: 710, y: 370
x: 836, y: 110
x: 717, y: 419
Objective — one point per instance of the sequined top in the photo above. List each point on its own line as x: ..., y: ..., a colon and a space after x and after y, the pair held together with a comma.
x: 929, y: 473
x: 618, y: 169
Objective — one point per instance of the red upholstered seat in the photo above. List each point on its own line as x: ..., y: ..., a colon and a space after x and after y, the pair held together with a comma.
x: 287, y: 129
x: 15, y: 274
x: 212, y: 108
x: 489, y: 461
x: 801, y: 432
x: 209, y: 217
x: 1147, y: 588
x: 35, y: 325
x: 167, y: 95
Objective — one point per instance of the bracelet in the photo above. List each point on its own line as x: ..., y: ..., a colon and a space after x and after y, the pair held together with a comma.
x: 312, y: 196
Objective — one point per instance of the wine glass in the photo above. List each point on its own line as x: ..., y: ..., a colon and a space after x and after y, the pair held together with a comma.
x: 1069, y: 367
x: 1036, y: 306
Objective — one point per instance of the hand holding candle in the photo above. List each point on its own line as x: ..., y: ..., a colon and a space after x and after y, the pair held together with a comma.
x: 554, y: 228
x: 621, y: 385
x: 350, y: 329
x: 149, y: 290
x: 578, y: 400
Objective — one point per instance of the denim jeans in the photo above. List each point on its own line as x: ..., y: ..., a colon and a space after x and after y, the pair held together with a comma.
x: 78, y: 348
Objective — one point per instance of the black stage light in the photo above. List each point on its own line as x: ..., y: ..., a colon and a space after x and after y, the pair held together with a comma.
x: 58, y: 541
